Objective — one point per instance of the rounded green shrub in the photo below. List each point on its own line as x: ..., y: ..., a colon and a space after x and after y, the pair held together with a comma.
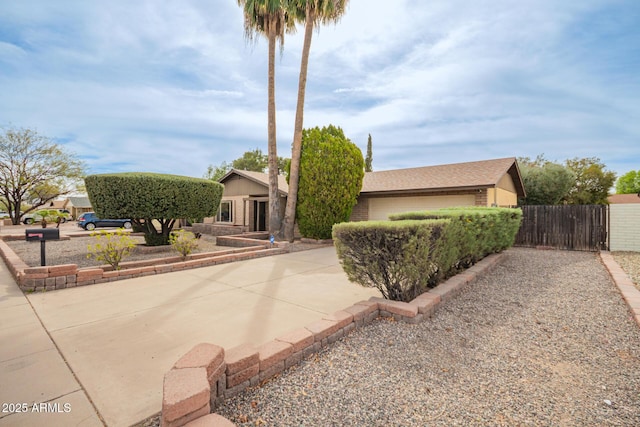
x: 153, y: 200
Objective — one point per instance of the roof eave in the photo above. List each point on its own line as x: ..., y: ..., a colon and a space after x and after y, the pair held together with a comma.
x: 427, y: 190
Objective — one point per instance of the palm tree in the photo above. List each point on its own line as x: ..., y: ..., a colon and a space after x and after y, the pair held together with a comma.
x: 270, y: 19
x: 312, y: 13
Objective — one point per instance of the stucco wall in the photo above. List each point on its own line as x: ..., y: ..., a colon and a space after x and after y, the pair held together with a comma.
x: 624, y: 223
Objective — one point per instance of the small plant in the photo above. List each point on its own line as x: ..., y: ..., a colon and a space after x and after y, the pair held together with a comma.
x: 111, y: 248
x: 184, y: 242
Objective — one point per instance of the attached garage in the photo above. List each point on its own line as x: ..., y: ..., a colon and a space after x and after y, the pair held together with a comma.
x: 483, y: 183
x: 380, y: 208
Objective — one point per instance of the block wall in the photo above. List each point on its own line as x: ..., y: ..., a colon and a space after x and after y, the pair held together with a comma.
x: 624, y: 227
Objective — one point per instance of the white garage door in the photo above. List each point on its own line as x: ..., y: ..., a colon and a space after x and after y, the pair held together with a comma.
x: 380, y: 208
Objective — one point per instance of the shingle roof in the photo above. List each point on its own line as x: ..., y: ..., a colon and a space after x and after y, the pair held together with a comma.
x: 486, y: 173
x: 260, y: 178
x: 623, y: 199
x: 80, y: 202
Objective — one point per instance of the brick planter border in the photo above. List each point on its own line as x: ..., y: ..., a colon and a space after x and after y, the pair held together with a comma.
x: 64, y: 276
x: 630, y: 293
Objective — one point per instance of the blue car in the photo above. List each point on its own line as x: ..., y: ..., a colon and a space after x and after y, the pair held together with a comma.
x: 89, y: 221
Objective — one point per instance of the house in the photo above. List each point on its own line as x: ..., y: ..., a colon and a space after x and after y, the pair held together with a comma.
x: 245, y: 201
x: 483, y: 183
x: 78, y: 205
x: 616, y: 199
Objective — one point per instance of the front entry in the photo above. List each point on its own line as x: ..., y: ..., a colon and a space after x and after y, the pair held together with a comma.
x: 259, y: 216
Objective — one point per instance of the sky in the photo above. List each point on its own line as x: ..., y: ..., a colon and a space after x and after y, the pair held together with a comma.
x: 174, y: 86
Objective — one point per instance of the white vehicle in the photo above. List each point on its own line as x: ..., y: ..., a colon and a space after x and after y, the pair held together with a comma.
x: 51, y: 215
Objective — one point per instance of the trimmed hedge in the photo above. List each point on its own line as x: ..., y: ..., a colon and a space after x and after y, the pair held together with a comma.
x: 483, y: 230
x: 145, y: 197
x: 416, y: 250
x: 400, y: 258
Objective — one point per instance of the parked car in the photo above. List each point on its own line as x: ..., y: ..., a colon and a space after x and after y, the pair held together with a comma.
x: 51, y: 215
x: 89, y: 221
x: 4, y: 214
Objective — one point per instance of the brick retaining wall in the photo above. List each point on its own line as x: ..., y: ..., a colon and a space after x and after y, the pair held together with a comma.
x: 54, y: 277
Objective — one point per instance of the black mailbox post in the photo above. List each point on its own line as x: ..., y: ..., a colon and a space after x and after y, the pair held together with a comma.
x: 42, y: 235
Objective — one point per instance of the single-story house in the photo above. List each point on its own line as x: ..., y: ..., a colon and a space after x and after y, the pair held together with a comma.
x: 483, y: 183
x: 78, y: 205
x: 245, y: 201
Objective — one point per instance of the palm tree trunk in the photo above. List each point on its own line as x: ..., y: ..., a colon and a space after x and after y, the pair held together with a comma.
x: 294, y: 173
x: 274, y: 202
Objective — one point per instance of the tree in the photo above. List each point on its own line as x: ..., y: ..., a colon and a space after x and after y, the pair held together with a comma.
x: 368, y: 167
x: 545, y: 182
x: 34, y: 170
x: 592, y: 181
x: 214, y: 173
x: 269, y: 18
x: 149, y: 198
x: 629, y: 183
x: 252, y: 161
x: 331, y: 172
x: 312, y: 12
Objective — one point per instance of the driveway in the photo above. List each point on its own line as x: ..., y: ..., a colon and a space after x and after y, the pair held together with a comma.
x: 120, y: 338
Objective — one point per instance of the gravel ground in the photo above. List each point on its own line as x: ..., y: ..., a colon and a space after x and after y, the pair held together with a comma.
x: 74, y: 251
x: 630, y: 263
x: 543, y: 339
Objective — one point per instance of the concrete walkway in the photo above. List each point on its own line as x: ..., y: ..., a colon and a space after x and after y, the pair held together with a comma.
x: 34, y: 378
x: 120, y: 338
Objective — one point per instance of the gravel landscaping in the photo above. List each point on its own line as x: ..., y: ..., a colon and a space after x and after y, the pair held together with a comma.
x: 74, y: 251
x: 543, y: 339
x: 630, y: 263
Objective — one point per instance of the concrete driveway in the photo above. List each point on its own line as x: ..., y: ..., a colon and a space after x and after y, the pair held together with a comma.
x: 120, y: 338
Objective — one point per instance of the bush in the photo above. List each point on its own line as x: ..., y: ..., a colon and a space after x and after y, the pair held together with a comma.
x: 416, y: 250
x: 331, y: 172
x: 478, y: 231
x: 145, y: 197
x: 184, y: 242
x: 401, y: 259
x: 111, y: 247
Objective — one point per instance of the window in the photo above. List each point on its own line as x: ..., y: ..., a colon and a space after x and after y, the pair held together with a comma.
x: 225, y: 213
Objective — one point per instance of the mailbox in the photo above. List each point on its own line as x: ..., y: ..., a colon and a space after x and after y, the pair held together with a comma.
x: 42, y: 234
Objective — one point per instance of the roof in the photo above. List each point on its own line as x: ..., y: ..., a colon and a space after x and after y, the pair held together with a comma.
x: 471, y: 175
x: 259, y: 177
x: 57, y: 204
x: 616, y: 199
x: 79, y: 202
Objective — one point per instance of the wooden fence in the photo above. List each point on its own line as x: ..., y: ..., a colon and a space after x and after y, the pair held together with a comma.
x: 574, y: 227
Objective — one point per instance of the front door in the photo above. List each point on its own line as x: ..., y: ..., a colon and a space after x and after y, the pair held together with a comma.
x: 259, y: 216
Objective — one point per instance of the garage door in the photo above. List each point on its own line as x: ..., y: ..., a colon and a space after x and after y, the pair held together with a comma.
x: 380, y: 208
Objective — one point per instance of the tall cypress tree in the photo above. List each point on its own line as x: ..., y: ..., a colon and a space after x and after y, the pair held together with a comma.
x: 367, y: 162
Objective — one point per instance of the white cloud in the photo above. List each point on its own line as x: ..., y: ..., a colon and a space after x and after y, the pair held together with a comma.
x: 436, y: 82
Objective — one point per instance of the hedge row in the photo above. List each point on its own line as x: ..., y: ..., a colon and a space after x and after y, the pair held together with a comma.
x: 404, y: 257
x: 480, y: 231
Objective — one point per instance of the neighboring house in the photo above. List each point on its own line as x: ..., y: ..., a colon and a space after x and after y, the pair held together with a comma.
x: 78, y: 205
x: 617, y: 199
x: 483, y: 183
x: 56, y: 204
x: 245, y: 200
